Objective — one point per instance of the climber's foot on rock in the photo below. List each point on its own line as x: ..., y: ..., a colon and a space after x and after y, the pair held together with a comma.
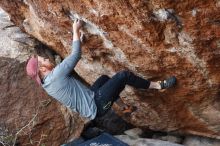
x: 170, y: 82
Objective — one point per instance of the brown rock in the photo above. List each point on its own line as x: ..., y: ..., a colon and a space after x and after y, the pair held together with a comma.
x: 154, y: 39
x: 23, y: 104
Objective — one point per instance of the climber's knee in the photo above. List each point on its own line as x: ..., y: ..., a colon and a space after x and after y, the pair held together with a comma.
x: 123, y: 74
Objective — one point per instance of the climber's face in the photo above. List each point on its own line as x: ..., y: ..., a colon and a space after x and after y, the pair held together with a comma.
x: 45, y: 63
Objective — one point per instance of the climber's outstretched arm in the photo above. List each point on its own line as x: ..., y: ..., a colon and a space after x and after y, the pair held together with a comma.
x: 67, y: 65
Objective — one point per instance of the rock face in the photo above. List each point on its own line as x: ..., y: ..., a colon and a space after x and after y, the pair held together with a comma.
x: 27, y: 115
x: 154, y: 39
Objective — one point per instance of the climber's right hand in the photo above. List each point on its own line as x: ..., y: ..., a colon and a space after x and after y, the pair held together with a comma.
x: 77, y: 25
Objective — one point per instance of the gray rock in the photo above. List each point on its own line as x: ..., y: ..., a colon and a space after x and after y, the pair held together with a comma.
x: 170, y: 138
x: 144, y: 141
x: 135, y: 132
x: 200, y: 141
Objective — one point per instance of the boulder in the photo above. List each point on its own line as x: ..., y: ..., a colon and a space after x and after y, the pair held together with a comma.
x: 154, y: 39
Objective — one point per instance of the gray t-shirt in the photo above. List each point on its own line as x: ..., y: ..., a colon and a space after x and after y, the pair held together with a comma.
x: 61, y: 85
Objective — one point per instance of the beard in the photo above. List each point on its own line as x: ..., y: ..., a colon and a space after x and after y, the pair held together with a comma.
x: 50, y: 66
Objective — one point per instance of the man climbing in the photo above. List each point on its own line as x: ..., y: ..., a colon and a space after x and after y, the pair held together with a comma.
x: 96, y: 101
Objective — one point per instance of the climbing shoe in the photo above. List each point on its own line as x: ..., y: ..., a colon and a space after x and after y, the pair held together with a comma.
x: 168, y: 82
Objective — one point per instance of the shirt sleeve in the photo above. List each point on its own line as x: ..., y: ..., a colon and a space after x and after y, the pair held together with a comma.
x: 68, y: 64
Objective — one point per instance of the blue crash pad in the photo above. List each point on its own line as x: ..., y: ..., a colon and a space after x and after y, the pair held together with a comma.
x: 104, y: 139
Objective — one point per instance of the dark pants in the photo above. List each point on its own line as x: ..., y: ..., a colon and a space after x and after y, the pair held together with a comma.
x: 107, y: 90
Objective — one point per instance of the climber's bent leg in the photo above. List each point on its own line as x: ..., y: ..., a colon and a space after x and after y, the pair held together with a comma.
x: 99, y: 82
x: 113, y: 87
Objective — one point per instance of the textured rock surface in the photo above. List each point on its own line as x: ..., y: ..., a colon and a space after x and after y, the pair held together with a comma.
x: 200, y: 141
x: 144, y: 141
x: 25, y: 108
x: 153, y: 39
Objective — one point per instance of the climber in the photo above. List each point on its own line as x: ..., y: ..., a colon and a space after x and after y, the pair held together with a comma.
x: 88, y: 102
